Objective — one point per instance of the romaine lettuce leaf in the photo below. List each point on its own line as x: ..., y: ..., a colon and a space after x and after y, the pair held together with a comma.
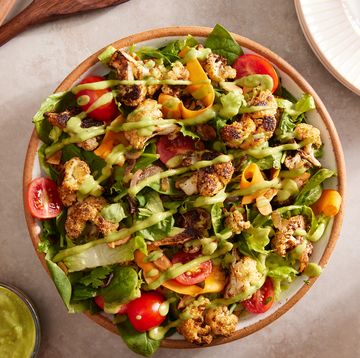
x: 257, y: 238
x: 114, y: 212
x: 103, y: 255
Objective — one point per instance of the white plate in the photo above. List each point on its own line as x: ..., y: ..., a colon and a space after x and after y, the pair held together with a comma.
x: 332, y: 28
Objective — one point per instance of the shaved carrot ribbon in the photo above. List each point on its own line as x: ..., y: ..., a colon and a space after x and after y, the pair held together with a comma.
x: 173, y: 107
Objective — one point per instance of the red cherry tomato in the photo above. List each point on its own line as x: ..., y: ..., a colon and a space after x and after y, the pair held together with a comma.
x: 143, y: 312
x: 251, y: 64
x: 43, y: 198
x: 262, y: 299
x: 104, y: 113
x: 99, y: 300
x: 168, y: 148
x: 195, y: 275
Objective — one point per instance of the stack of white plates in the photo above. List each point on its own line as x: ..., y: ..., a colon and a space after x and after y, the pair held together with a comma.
x: 332, y: 28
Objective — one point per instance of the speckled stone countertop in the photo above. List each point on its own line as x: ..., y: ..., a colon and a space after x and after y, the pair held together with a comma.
x: 325, y: 323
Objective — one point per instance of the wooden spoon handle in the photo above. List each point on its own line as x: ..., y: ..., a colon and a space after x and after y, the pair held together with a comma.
x: 5, y: 7
x: 18, y: 24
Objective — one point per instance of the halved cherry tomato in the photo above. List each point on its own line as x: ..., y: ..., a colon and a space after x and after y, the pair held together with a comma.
x: 104, y: 113
x: 262, y: 299
x: 168, y: 148
x: 195, y: 275
x: 251, y: 64
x: 143, y: 312
x: 43, y: 198
x: 99, y: 300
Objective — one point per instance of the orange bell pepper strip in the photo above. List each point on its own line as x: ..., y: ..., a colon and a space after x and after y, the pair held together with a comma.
x: 329, y: 203
x: 215, y: 282
x: 171, y: 106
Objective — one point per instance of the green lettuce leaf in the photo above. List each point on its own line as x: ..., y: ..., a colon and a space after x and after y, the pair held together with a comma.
x: 153, y: 204
x: 124, y: 286
x: 311, y: 191
x: 216, y: 217
x: 221, y: 42
x: 103, y: 255
x: 55, y: 102
x: 231, y: 103
x: 139, y: 343
x: 257, y: 239
x: 114, y: 212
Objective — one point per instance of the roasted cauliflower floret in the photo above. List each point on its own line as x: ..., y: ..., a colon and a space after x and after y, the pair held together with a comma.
x: 207, y: 181
x: 284, y: 239
x: 194, y: 329
x: 217, y: 68
x: 264, y: 99
x: 148, y: 109
x: 178, y: 72
x: 75, y: 173
x: 248, y: 132
x: 127, y: 68
x: 304, y: 131
x: 235, y: 221
x: 89, y: 144
x: 188, y: 184
x: 60, y: 119
x: 87, y: 211
x: 235, y: 134
x: 206, y: 132
x: 198, y: 219
x: 243, y: 275
x: 221, y: 321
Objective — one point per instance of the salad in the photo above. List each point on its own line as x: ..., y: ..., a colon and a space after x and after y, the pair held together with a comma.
x: 181, y: 190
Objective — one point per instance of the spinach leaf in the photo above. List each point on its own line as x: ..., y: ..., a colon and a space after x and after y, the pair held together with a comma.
x: 221, y: 42
x: 55, y: 102
x: 95, y: 163
x: 311, y: 191
x: 138, y: 342
x: 61, y: 282
x: 124, y: 286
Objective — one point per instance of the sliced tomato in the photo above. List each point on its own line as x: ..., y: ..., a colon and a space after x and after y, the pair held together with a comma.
x: 105, y: 113
x: 143, y: 312
x: 262, y: 299
x: 251, y: 64
x: 168, y: 148
x: 99, y: 300
x: 43, y: 198
x: 195, y: 275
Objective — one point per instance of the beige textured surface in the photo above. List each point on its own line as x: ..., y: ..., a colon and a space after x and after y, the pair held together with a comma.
x: 325, y: 323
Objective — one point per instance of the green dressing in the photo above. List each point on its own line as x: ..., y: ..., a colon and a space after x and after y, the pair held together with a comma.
x: 17, y: 327
x: 83, y: 100
x: 158, y: 333
x: 313, y: 270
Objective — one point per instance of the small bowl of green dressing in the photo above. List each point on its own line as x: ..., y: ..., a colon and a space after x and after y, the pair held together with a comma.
x: 20, y: 333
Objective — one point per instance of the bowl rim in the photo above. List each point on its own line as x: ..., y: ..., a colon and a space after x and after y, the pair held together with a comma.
x: 283, y: 66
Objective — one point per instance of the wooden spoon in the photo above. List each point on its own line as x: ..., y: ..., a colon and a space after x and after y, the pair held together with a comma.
x: 5, y: 7
x: 44, y: 10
